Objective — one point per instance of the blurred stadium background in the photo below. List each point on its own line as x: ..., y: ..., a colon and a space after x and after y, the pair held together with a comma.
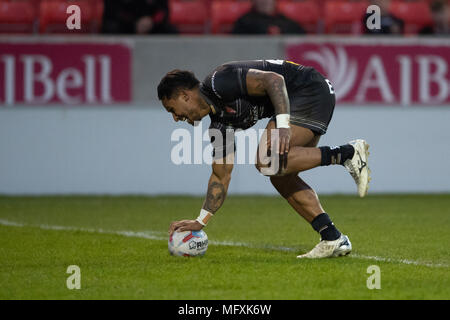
x: 79, y: 114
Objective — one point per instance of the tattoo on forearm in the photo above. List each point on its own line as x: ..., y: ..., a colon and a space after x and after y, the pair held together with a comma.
x: 278, y: 95
x: 215, y: 197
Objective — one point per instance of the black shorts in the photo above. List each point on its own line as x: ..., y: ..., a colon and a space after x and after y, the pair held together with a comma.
x: 312, y: 102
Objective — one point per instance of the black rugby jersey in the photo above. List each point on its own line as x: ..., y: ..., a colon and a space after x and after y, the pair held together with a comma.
x: 225, y: 89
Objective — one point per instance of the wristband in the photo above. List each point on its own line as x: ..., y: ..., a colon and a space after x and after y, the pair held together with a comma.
x: 283, y: 120
x: 203, y: 217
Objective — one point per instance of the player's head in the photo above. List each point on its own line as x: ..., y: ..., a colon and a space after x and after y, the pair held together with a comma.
x: 179, y: 94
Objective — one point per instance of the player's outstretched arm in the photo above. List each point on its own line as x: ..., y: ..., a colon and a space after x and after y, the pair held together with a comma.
x: 215, y: 196
x: 217, y: 186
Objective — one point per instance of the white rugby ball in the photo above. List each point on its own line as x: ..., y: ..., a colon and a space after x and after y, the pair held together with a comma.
x: 188, y: 243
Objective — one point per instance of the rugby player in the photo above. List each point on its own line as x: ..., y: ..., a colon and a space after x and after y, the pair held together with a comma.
x: 299, y: 102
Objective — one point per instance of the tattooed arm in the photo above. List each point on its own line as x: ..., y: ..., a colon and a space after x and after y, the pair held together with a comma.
x: 215, y: 196
x: 262, y: 83
x: 217, y: 186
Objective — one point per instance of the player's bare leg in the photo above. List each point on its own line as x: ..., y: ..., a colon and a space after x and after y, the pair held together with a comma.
x: 300, y: 195
x: 304, y: 155
x: 302, y: 198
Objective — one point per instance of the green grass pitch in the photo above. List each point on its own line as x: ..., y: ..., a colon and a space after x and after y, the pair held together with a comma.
x: 120, y: 245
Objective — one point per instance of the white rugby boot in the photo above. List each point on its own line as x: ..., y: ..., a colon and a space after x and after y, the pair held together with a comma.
x: 358, y: 166
x: 329, y: 249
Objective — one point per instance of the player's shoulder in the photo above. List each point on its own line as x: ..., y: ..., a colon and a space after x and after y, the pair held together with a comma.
x: 224, y: 67
x: 219, y: 69
x: 230, y: 69
x: 231, y: 66
x: 240, y: 64
x: 226, y: 80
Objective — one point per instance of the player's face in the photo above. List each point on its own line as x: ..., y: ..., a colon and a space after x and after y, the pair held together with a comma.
x: 183, y: 107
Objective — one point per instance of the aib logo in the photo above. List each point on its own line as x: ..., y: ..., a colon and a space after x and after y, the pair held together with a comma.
x: 74, y: 20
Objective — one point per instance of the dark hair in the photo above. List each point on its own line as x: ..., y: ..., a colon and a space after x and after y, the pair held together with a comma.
x: 175, y: 80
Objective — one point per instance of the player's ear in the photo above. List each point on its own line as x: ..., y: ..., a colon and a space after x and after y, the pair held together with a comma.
x: 187, y: 95
x: 184, y: 95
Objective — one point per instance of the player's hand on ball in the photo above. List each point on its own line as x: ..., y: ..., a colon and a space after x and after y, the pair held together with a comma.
x: 185, y: 225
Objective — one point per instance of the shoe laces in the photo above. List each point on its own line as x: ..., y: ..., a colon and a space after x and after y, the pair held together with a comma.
x: 321, y: 247
x: 352, y: 170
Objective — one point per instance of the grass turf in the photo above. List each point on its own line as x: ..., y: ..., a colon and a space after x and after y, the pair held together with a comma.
x: 409, y: 233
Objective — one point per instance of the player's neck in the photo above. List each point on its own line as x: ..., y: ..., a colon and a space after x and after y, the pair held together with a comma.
x: 204, y: 105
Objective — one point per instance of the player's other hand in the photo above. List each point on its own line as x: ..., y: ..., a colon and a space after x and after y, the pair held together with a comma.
x: 185, y: 225
x: 284, y: 135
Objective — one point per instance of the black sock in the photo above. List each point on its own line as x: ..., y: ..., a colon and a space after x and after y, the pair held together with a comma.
x: 325, y: 227
x: 336, y: 155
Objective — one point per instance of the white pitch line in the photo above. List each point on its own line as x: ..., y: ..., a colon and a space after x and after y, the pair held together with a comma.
x: 162, y: 236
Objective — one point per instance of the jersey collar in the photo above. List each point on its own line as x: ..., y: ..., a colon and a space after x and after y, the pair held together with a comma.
x: 204, y: 95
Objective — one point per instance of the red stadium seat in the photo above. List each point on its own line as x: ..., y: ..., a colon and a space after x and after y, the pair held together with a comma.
x: 344, y: 17
x: 17, y: 17
x: 53, y: 16
x: 224, y: 14
x: 99, y: 7
x: 415, y: 14
x: 189, y: 16
x: 306, y: 13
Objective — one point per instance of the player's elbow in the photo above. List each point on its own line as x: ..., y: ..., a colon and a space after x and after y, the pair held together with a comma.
x: 223, y: 172
x: 273, y: 78
x: 226, y: 179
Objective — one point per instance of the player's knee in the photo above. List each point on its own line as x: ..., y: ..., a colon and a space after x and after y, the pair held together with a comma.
x: 270, y: 171
x: 281, y: 183
x: 265, y: 169
x: 260, y: 166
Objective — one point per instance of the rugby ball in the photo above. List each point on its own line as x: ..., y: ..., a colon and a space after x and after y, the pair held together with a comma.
x: 188, y: 243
